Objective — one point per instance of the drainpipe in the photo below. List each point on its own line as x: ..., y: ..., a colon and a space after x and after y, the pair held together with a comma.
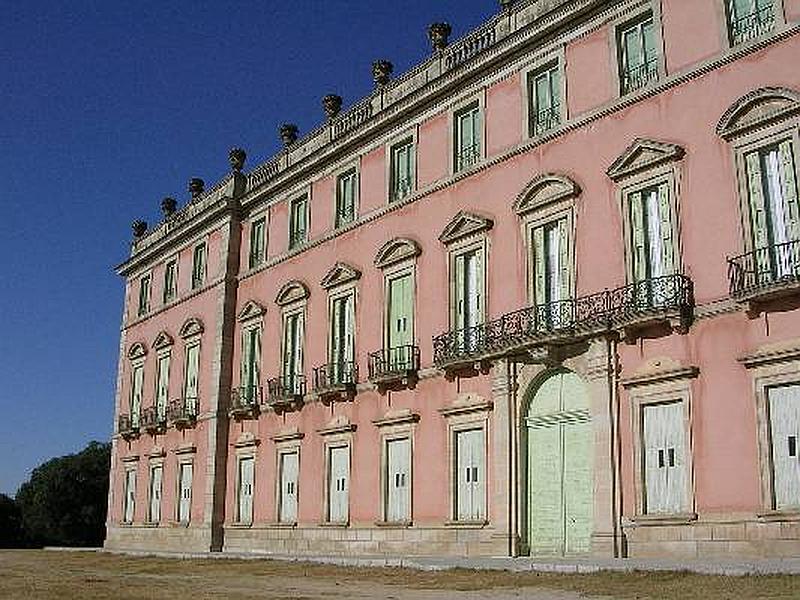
x: 616, y: 448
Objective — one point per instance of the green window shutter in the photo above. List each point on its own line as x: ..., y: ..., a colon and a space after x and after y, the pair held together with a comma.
x: 758, y: 208
x: 192, y: 368
x: 255, y: 355
x: 789, y: 178
x: 476, y: 128
x: 288, y: 345
x: 136, y: 392
x: 632, y: 55
x: 244, y: 371
x: 459, y: 284
x: 566, y: 267
x: 668, y: 246
x: 539, y: 267
x: 337, y: 330
x: 649, y: 41
x: 479, y: 287
x: 638, y: 236
x: 400, y: 311
x: 543, y: 92
x: 555, y: 87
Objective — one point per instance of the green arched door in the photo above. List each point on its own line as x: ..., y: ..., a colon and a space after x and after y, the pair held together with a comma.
x: 560, y: 497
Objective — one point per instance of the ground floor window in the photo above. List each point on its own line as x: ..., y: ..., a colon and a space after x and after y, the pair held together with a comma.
x: 398, y: 480
x: 185, y: 474
x: 470, y: 477
x: 288, y: 464
x: 129, y: 499
x: 664, y: 454
x: 784, y: 420
x: 156, y: 476
x: 338, y: 484
x: 244, y: 490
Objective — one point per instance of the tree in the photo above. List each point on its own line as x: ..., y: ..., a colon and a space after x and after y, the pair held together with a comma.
x: 10, y: 524
x: 64, y: 502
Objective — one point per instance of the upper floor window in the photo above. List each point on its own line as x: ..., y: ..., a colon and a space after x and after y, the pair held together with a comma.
x: 298, y: 221
x: 544, y: 94
x: 137, y: 392
x: 638, y: 56
x: 162, y: 385
x: 170, y: 281
x: 401, y: 175
x: 129, y: 498
x: 551, y: 254
x: 346, y: 185
x: 467, y: 137
x: 250, y: 376
x: 652, y: 248
x: 257, y: 242
x: 341, y: 344
x: 292, y: 361
x: 199, y: 265
x: 748, y: 19
x: 144, y: 295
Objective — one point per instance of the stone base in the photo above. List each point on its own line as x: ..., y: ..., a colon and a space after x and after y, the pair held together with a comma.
x: 164, y: 538
x: 365, y: 540
x: 715, y: 539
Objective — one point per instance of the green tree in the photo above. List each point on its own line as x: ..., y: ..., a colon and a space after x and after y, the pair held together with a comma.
x: 10, y: 524
x: 64, y: 502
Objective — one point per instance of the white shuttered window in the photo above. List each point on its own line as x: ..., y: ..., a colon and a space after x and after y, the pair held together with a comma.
x: 130, y: 496
x: 185, y: 474
x: 664, y: 458
x: 784, y: 416
x: 338, y: 484
x: 289, y: 471
x: 398, y: 480
x: 470, y: 475
x: 156, y: 477
x: 245, y: 490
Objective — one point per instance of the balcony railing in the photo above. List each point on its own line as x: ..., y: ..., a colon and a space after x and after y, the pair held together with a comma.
x: 297, y: 238
x: 568, y: 320
x: 245, y: 402
x: 182, y: 413
x: 336, y: 378
x: 546, y: 119
x: 287, y: 389
x: 468, y: 156
x: 765, y: 270
x: 154, y: 419
x: 638, y: 77
x: 391, y: 364
x: 401, y: 188
x: 128, y: 426
x: 747, y: 27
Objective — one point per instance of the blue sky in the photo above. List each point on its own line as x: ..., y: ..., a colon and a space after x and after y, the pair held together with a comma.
x: 107, y: 107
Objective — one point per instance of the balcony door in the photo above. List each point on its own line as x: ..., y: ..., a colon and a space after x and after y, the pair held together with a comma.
x: 401, y: 322
x: 551, y: 273
x: 653, y: 251
x: 251, y: 359
x: 469, y: 283
x: 292, y: 351
x: 341, y: 340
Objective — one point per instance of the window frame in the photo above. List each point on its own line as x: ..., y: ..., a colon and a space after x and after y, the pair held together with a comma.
x: 255, y: 261
x: 557, y: 60
x: 351, y: 169
x: 242, y: 455
x: 181, y: 463
x: 406, y: 268
x: 475, y: 100
x: 288, y: 311
x: 338, y: 293
x: 281, y: 451
x: 198, y: 280
x: 726, y: 21
x: 618, y: 28
x: 129, y: 469
x: 400, y: 140
x: 336, y: 442
x: 155, y: 465
x: 144, y: 302
x: 305, y: 197
x: 165, y: 297
x: 386, y: 439
x: 477, y: 243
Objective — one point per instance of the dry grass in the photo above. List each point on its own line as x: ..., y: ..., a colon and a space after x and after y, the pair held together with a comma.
x: 65, y: 575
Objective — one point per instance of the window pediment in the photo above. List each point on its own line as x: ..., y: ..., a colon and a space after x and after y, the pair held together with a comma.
x: 294, y: 291
x: 642, y: 155
x: 759, y: 107
x: 191, y: 328
x: 251, y: 310
x: 339, y: 274
x: 395, y: 251
x: 163, y: 340
x: 463, y: 225
x: 543, y: 190
x: 138, y: 350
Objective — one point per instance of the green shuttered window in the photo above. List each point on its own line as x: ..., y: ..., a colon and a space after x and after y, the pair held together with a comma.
x: 545, y: 97
x: 170, y: 281
x: 638, y: 56
x: 298, y: 221
x: 748, y: 19
x: 199, y: 265
x: 144, y: 295
x: 257, y: 242
x: 251, y: 361
x: 467, y: 136
x: 653, y: 249
x: 346, y: 198
x: 402, y: 173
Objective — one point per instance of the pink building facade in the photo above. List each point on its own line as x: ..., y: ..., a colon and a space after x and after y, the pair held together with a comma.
x: 538, y: 296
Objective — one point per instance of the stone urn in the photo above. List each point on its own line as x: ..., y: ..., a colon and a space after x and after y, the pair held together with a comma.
x: 139, y: 228
x: 196, y: 187
x: 332, y: 104
x: 168, y: 207
x: 439, y: 34
x: 288, y: 133
x: 382, y: 72
x: 506, y: 4
x: 236, y: 158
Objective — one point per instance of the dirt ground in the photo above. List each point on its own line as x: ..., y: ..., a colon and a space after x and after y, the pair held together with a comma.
x: 35, y: 575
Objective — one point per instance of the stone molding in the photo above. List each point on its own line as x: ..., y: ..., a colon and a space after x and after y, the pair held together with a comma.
x: 339, y: 274
x: 642, y: 155
x: 191, y: 328
x: 545, y: 190
x: 247, y: 440
x: 293, y: 291
x: 771, y: 355
x: 163, y: 340
x: 660, y: 376
x: 287, y: 436
x: 251, y: 310
x: 464, y: 224
x: 185, y: 450
x: 397, y: 418
x: 133, y: 458
x: 136, y: 351
x: 468, y: 407
x: 758, y: 108
x: 395, y: 251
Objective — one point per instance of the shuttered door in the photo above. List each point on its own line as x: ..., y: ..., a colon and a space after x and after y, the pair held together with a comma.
x: 289, y: 473
x: 545, y: 491
x: 759, y: 225
x: 470, y: 476
x: 246, y: 472
x: 192, y: 368
x: 398, y: 461
x: 339, y: 484
x: 130, y: 495
x: 136, y: 394
x: 337, y: 337
x: 155, y: 494
x: 784, y: 408
x: 162, y: 390
x: 664, y: 458
x: 185, y: 492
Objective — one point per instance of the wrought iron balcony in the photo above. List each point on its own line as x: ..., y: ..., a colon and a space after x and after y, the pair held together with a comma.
x: 546, y: 119
x: 467, y: 157
x: 336, y: 379
x: 638, y: 77
x: 286, y: 390
x: 641, y: 304
x: 297, y: 238
x: 752, y: 25
x: 154, y: 419
x: 394, y: 365
x: 182, y: 413
x: 128, y: 426
x: 245, y: 402
x: 766, y: 272
x: 402, y: 187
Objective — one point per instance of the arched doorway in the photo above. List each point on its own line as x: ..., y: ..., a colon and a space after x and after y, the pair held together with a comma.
x: 559, y: 474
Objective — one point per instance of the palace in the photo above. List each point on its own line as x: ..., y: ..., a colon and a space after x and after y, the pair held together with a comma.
x: 539, y: 295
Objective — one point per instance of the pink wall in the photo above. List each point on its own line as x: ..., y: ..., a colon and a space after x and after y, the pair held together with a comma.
x: 322, y: 208
x: 589, y: 76
x: 503, y: 115
x: 692, y: 32
x: 432, y: 150
x: 374, y: 188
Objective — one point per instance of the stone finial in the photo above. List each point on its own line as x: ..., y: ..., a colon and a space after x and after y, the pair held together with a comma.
x: 439, y: 34
x: 196, y: 187
x: 332, y: 105
x: 506, y: 4
x: 139, y: 228
x: 236, y: 158
x: 382, y: 71
x: 168, y: 207
x: 288, y: 133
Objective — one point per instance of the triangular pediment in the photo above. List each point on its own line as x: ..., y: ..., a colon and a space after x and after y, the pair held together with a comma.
x: 294, y: 291
x: 395, y: 251
x: 464, y: 224
x: 138, y: 350
x: 759, y: 107
x: 163, y: 340
x: 340, y: 274
x: 192, y: 327
x: 251, y: 310
x: 545, y: 190
x: 642, y: 155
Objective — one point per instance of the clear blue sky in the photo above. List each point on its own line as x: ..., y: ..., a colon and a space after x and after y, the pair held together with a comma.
x: 107, y: 107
